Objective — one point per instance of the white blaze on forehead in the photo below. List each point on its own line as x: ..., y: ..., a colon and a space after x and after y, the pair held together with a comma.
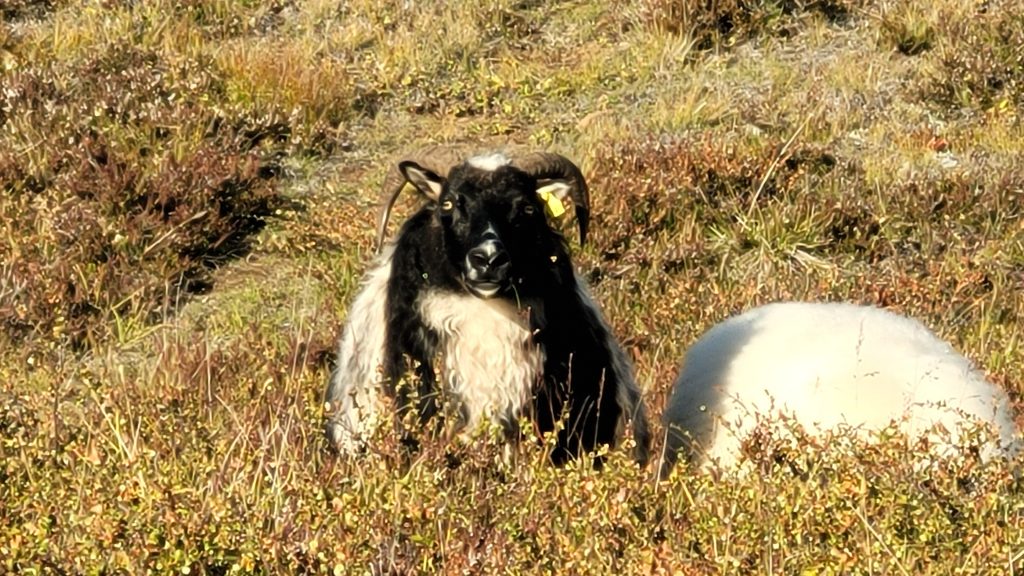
x: 489, y: 162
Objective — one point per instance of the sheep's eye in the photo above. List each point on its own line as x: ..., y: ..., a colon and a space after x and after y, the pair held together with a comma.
x: 529, y: 209
x: 447, y: 205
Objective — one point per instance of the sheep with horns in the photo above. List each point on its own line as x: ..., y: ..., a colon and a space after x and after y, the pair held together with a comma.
x: 478, y: 298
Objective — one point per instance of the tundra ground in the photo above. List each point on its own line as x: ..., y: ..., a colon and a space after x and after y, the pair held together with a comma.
x: 187, y: 208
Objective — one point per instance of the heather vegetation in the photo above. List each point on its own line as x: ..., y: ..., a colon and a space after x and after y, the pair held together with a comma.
x: 187, y: 194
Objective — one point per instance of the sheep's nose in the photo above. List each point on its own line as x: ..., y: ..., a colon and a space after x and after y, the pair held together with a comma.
x: 489, y: 261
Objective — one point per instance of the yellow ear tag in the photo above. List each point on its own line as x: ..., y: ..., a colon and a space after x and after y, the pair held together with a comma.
x: 552, y: 205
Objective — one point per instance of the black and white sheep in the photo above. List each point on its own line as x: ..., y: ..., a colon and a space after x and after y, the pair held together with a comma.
x: 478, y: 291
x: 824, y: 365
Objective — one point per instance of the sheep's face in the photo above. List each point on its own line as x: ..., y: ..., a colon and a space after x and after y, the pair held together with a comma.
x: 494, y: 225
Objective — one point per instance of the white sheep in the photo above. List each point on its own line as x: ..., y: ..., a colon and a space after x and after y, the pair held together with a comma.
x: 824, y: 365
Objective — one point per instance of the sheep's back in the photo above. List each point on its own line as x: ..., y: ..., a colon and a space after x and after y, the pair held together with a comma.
x: 825, y: 365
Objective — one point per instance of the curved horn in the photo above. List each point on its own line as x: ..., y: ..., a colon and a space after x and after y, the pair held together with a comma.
x: 438, y: 159
x: 551, y: 165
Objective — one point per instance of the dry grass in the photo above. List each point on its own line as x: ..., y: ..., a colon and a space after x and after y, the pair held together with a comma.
x: 187, y: 200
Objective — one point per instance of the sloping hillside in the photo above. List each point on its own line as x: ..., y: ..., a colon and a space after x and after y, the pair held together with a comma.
x: 188, y: 198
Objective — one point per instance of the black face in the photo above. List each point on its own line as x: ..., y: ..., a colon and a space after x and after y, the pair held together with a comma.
x: 494, y: 226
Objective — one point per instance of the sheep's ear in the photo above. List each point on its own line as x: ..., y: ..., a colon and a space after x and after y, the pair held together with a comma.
x: 552, y: 193
x: 426, y: 181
